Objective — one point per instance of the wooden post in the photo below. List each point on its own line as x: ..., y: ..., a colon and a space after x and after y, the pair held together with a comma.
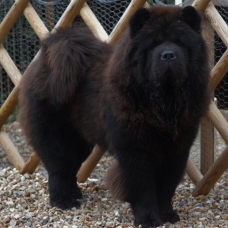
x: 207, y: 128
x: 206, y: 144
x: 213, y: 174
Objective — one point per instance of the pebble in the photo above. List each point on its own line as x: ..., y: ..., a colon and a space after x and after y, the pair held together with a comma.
x: 28, y: 224
x: 182, y: 203
x: 24, y: 199
x: 13, y: 223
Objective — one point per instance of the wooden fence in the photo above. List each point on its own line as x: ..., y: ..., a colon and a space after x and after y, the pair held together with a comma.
x: 79, y: 7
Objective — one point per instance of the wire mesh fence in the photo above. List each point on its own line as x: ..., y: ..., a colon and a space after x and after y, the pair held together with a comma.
x: 22, y: 45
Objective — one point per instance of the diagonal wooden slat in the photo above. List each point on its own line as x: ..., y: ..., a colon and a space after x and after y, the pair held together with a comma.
x: 11, y: 69
x: 9, y: 105
x: 86, y: 14
x: 5, y: 59
x: 200, y: 5
x: 9, y: 66
x: 122, y: 24
x: 219, y: 71
x: 7, y: 62
x: 11, y: 151
x: 146, y: 5
x: 90, y: 163
x: 35, y: 21
x: 91, y: 21
x: 70, y: 13
x: 219, y: 121
x: 15, y: 75
x: 11, y: 17
x: 217, y: 23
x: 221, y: 164
x: 212, y: 175
x: 41, y: 31
x: 12, y: 100
x: 193, y: 172
x: 31, y: 164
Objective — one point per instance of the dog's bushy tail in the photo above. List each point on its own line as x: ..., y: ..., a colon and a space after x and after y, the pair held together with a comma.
x: 68, y: 53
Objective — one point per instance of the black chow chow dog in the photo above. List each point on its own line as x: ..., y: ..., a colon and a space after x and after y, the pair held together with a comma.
x: 141, y: 99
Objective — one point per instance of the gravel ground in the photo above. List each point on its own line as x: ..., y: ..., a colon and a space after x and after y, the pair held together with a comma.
x: 24, y: 199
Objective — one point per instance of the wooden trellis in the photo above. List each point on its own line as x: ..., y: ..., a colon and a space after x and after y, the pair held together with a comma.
x: 76, y: 7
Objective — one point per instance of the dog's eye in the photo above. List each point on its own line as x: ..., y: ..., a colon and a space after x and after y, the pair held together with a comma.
x: 179, y: 43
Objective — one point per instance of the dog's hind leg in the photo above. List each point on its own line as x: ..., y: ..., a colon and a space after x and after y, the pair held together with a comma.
x: 62, y: 166
x: 61, y: 149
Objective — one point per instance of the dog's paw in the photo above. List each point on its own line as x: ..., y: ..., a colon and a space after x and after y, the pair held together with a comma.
x: 170, y: 216
x: 65, y: 204
x: 66, y: 200
x: 148, y: 219
x: 150, y: 224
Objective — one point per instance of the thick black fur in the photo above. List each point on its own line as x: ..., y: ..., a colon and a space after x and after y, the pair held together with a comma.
x: 142, y: 99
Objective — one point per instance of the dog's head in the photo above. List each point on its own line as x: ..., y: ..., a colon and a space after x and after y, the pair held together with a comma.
x: 166, y: 44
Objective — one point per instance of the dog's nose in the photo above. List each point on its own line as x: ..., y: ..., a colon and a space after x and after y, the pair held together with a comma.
x: 168, y: 55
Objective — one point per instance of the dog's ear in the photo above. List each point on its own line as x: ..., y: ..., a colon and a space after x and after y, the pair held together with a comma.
x: 137, y: 20
x: 191, y: 17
